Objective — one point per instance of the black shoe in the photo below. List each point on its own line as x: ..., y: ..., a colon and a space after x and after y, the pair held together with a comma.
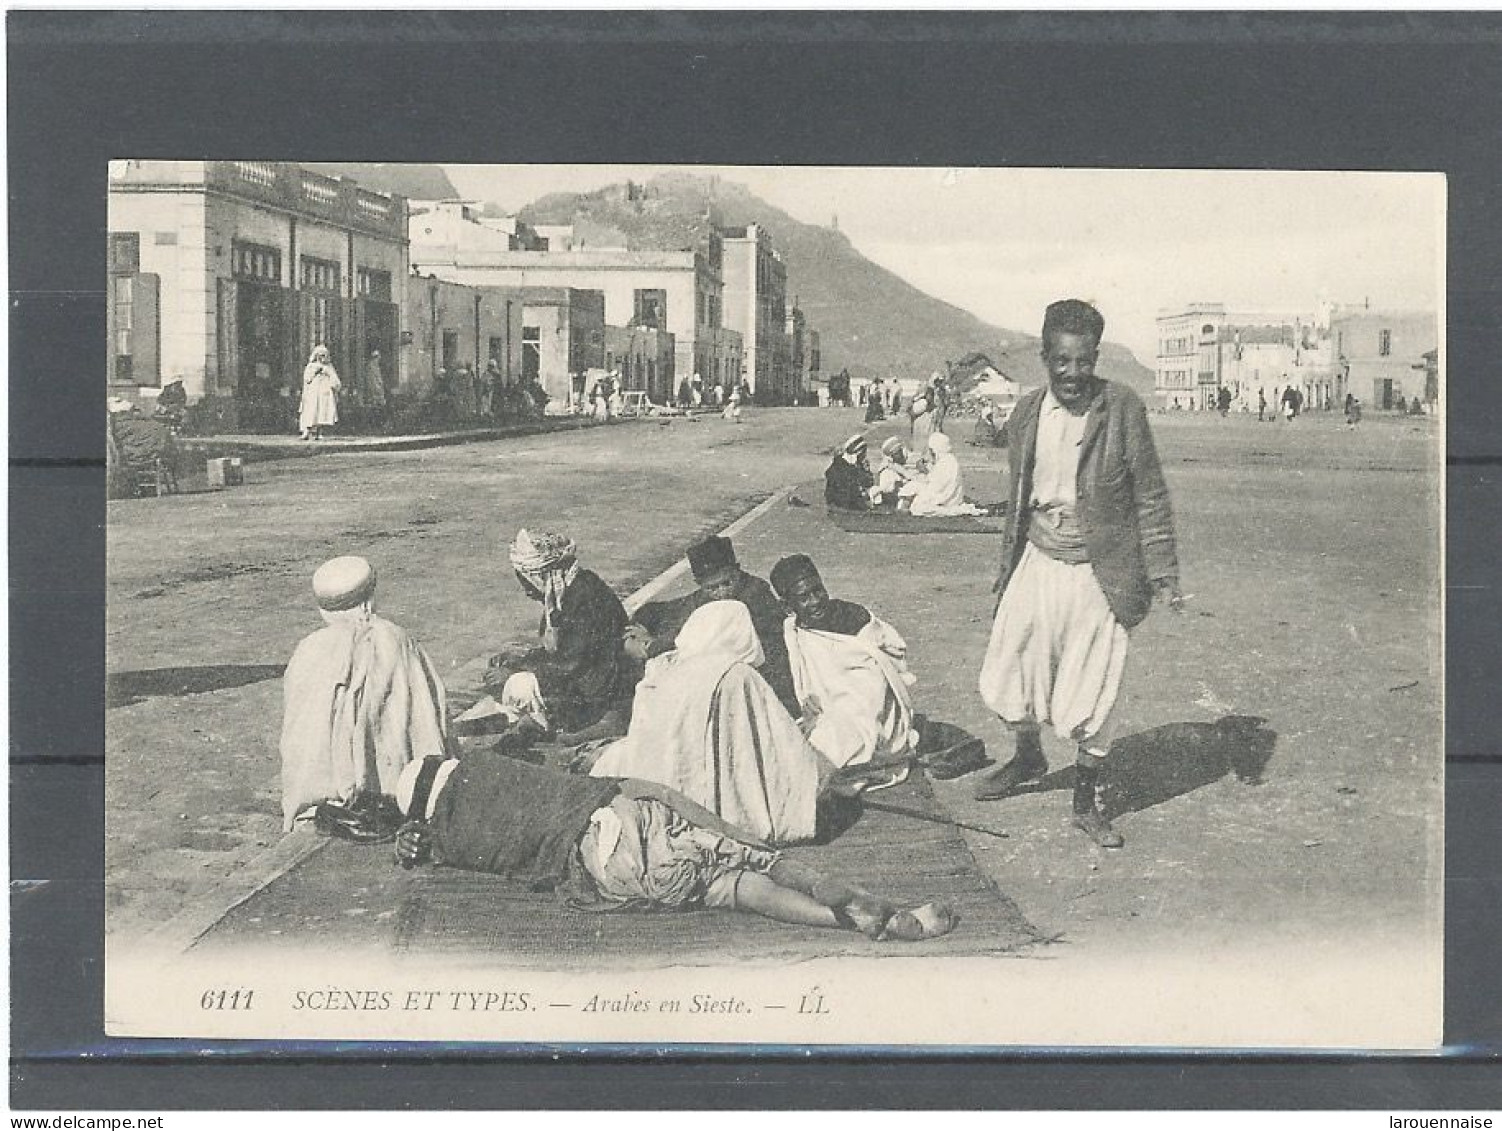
x: 1094, y: 825
x: 1028, y: 766
x: 1087, y: 815
x: 956, y: 761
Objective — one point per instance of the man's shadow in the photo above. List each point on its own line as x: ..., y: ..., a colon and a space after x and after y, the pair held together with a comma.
x: 125, y: 689
x: 1157, y: 765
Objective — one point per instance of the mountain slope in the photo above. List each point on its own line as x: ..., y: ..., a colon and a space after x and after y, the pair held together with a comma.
x: 869, y: 320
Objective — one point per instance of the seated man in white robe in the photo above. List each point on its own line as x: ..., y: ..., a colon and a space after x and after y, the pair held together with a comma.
x: 897, y: 480
x: 362, y: 699
x: 941, y: 491
x: 705, y: 723
x: 849, y: 670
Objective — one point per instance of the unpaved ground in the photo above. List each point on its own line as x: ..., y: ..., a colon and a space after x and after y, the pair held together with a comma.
x: 1308, y: 657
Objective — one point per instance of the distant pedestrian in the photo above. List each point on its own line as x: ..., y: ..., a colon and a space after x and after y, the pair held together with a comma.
x: 1261, y: 404
x: 1290, y: 403
x: 1223, y: 400
x: 320, y: 395
x: 697, y: 387
x: 874, y: 411
x: 466, y: 403
x: 1402, y: 405
x: 1353, y: 411
x: 685, y: 393
x: 733, y: 407
x: 940, y: 401
x: 985, y: 433
x: 375, y: 382
x: 921, y: 415
x: 599, y: 402
x: 493, y: 399
x: 1089, y: 544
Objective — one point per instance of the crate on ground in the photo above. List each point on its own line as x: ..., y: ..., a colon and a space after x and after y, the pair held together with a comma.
x: 226, y: 471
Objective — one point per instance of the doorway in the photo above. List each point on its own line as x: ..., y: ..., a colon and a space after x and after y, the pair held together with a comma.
x: 266, y: 392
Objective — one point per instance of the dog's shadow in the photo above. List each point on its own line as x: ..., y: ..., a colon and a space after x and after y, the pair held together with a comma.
x: 1157, y: 765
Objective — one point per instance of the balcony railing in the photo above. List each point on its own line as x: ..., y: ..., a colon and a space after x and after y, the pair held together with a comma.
x: 373, y: 204
x: 256, y: 172
x: 324, y: 190
x: 335, y: 199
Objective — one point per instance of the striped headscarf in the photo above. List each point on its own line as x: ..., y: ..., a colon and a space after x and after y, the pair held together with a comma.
x: 549, y: 562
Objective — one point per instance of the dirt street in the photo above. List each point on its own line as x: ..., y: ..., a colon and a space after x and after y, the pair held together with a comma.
x: 1279, y: 752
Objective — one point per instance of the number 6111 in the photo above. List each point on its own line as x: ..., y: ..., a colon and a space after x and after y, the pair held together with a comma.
x: 226, y: 999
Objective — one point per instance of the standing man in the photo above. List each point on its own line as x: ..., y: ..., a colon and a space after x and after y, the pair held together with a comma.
x: 1089, y: 542
x: 493, y: 390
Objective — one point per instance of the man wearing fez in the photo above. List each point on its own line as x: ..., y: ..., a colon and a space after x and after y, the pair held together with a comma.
x: 1089, y: 543
x: 719, y: 577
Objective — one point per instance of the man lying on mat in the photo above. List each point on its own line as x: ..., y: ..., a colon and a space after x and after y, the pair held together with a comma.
x: 613, y: 843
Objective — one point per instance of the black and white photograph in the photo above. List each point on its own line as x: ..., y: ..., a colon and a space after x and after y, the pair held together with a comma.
x: 950, y: 607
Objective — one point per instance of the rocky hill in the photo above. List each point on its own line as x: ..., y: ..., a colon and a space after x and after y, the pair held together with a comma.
x: 869, y: 320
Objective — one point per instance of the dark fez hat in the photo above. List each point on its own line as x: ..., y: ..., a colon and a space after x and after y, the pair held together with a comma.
x: 710, y: 556
x: 789, y: 570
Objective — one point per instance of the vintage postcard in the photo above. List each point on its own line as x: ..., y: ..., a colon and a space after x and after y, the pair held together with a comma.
x: 838, y: 606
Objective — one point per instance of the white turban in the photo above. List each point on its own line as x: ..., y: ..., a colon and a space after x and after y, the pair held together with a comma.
x: 549, y: 562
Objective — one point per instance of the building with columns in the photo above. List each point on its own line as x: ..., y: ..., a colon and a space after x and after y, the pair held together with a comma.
x: 676, y: 292
x: 1204, y: 347
x: 756, y: 307
x: 225, y: 274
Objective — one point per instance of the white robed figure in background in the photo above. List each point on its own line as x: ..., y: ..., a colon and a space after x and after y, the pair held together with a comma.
x: 320, y: 402
x: 941, y: 491
x: 849, y: 671
x: 361, y: 698
x: 705, y: 723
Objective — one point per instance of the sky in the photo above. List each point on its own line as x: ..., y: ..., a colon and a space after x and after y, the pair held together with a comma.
x: 1003, y: 243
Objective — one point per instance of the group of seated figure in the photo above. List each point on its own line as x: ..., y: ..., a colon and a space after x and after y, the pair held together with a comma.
x: 926, y: 484
x: 700, y: 737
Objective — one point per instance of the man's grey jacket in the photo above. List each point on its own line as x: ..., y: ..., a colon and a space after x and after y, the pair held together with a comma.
x: 1122, y: 509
